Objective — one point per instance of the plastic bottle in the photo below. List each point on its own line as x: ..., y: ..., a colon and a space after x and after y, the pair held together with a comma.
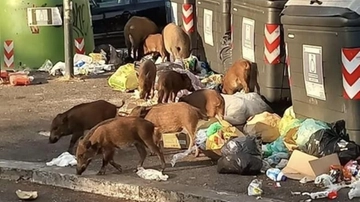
x: 275, y: 174
x: 255, y: 188
x: 79, y: 63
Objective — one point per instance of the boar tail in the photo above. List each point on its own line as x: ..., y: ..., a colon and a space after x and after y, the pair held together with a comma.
x: 122, y: 104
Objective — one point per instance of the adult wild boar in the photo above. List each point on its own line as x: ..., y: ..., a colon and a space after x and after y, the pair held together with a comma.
x: 135, y: 32
x: 176, y: 41
x: 114, y: 133
x: 80, y: 118
x: 154, y: 44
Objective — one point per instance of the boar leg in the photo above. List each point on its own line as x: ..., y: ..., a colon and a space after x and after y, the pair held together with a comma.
x: 108, y: 157
x: 191, y: 132
x: 142, y: 152
x: 152, y: 92
x: 74, y: 138
x: 160, y: 95
x: 152, y: 146
x: 167, y: 95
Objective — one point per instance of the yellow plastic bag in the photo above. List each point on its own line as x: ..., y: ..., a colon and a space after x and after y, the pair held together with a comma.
x: 124, y: 79
x: 218, y: 139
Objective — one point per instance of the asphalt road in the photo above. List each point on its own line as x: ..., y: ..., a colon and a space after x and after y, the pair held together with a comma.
x: 26, y: 110
x: 48, y: 193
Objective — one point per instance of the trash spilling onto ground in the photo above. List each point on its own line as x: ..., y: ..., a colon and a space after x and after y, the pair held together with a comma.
x: 26, y: 195
x: 44, y: 133
x: 65, y: 159
x: 151, y: 174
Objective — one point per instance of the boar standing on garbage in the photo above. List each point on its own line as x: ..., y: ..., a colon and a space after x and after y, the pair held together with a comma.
x: 135, y: 32
x: 154, y: 44
x: 209, y: 101
x: 170, y: 83
x: 80, y: 118
x: 176, y: 41
x: 172, y: 118
x: 237, y: 78
x: 147, y: 75
x: 114, y: 133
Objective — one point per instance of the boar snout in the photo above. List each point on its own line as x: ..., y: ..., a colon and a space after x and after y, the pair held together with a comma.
x: 53, y: 139
x: 80, y: 169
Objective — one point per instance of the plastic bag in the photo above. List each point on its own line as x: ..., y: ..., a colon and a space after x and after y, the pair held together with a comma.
x: 255, y: 188
x: 124, y: 79
x: 242, y: 156
x: 335, y: 140
x: 151, y: 174
x: 181, y: 155
x: 275, y: 147
x: 200, y: 139
x: 355, y: 190
x: 307, y: 128
x: 265, y: 124
x: 239, y: 107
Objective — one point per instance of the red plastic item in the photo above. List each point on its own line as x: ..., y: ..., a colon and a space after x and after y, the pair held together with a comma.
x: 19, y: 79
x: 332, y: 195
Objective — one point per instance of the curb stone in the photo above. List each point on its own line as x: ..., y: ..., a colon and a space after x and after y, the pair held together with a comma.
x: 112, y: 185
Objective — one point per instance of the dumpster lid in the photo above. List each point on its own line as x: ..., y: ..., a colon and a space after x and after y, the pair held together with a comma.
x: 353, y: 5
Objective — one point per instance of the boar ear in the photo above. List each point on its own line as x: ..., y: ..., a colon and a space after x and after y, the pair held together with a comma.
x: 63, y: 117
x: 87, y: 144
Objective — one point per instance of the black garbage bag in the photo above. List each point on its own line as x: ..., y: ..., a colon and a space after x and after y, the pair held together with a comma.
x: 242, y: 156
x: 335, y: 140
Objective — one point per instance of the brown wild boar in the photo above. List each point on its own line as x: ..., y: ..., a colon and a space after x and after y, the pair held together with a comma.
x: 171, y: 118
x: 237, y: 77
x: 80, y: 118
x: 136, y: 30
x: 114, y: 133
x: 170, y: 83
x: 154, y: 44
x: 209, y: 101
x: 147, y: 75
x: 176, y: 41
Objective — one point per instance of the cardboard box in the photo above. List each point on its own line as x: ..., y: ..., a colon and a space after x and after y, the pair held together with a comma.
x: 302, y: 165
x: 175, y: 140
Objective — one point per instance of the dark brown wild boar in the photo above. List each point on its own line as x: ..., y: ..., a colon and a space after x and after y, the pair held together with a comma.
x: 237, y: 77
x: 147, y: 75
x: 209, y: 101
x: 114, y: 133
x: 80, y: 118
x: 170, y: 83
x: 154, y: 44
x: 171, y: 118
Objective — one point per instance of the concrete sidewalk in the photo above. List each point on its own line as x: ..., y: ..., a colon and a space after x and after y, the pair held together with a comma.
x: 114, y: 185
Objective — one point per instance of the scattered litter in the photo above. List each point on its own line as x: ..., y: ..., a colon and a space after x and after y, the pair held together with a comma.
x: 321, y: 194
x: 282, y: 163
x: 295, y: 193
x: 324, y: 179
x: 181, y: 155
x: 304, y: 180
x: 355, y: 190
x: 44, y: 133
x: 26, y: 195
x: 275, y: 174
x: 255, y: 188
x: 65, y: 159
x: 151, y: 174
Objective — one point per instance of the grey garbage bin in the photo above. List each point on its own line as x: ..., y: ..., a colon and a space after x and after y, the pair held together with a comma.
x: 258, y: 37
x: 324, y: 58
x: 213, y: 24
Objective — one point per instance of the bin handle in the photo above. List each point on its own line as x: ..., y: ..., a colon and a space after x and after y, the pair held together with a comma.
x: 316, y: 1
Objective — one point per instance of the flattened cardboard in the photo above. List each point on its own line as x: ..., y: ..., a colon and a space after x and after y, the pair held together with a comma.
x: 302, y: 165
x: 175, y: 140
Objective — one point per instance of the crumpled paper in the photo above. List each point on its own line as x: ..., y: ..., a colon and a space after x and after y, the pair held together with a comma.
x: 65, y: 159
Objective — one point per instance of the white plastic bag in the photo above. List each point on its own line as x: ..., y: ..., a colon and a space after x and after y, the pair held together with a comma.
x: 255, y: 188
x: 151, y: 174
x: 355, y: 190
x: 240, y: 106
x: 65, y: 159
x: 181, y: 155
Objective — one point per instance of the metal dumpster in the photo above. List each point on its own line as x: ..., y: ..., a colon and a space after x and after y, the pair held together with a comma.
x: 29, y: 37
x: 213, y: 22
x: 324, y: 59
x: 258, y: 37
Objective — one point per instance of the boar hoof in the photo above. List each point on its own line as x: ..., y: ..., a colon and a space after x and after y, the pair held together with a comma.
x: 101, y: 172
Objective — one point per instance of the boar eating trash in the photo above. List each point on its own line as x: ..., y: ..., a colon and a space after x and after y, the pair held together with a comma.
x: 80, y: 118
x: 114, y: 133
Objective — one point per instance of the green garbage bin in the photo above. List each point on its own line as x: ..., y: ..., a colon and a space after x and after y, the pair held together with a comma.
x: 24, y: 45
x: 324, y: 58
x: 258, y: 37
